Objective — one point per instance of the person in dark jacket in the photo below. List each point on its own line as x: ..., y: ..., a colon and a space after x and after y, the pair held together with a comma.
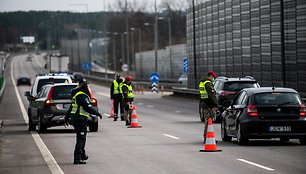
x: 208, y: 100
x: 116, y: 95
x: 80, y: 110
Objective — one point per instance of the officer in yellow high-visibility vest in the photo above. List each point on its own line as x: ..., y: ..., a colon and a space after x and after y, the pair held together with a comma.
x: 80, y: 111
x: 208, y: 100
x: 128, y: 96
x: 116, y: 95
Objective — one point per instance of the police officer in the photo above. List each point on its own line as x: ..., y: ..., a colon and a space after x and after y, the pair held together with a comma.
x: 81, y: 109
x: 128, y: 96
x: 116, y: 95
x: 208, y: 100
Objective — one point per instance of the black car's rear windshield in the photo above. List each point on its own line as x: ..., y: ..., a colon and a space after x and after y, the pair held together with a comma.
x: 62, y: 92
x: 43, y: 82
x: 239, y: 85
x: 277, y: 98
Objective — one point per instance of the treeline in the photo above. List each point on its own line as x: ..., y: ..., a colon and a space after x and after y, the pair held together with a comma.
x: 46, y: 25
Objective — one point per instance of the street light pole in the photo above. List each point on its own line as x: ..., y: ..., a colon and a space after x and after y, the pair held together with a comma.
x: 170, y: 42
x: 156, y: 38
x: 139, y: 47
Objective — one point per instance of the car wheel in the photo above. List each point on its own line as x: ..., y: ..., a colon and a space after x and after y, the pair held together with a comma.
x: 41, y: 126
x: 93, y: 127
x: 303, y: 141
x: 284, y: 139
x: 32, y: 127
x: 202, y: 118
x: 242, y: 140
x: 224, y: 135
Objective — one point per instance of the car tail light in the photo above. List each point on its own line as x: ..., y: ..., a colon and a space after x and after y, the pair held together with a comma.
x: 224, y: 93
x: 49, y: 101
x: 252, y: 111
x: 302, y: 110
x: 94, y: 101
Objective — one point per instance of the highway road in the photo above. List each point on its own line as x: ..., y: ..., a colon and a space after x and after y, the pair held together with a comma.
x: 168, y: 142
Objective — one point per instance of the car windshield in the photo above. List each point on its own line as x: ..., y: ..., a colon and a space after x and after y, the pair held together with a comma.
x: 239, y: 85
x: 62, y: 92
x: 43, y: 82
x: 277, y: 98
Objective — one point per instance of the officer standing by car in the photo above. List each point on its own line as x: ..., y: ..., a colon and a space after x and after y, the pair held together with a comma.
x: 80, y: 112
x: 128, y: 96
x: 208, y: 100
x: 116, y: 95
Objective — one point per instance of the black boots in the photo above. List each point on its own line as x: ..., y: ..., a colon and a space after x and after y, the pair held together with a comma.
x: 79, y: 162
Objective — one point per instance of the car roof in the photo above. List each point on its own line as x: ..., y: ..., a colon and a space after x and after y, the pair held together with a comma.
x: 234, y: 79
x: 54, y: 77
x: 252, y: 91
x: 62, y: 84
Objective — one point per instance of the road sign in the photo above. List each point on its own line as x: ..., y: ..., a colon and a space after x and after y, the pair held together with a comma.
x: 124, y: 67
x: 185, y: 65
x: 154, y: 77
x: 86, y: 66
x: 154, y: 88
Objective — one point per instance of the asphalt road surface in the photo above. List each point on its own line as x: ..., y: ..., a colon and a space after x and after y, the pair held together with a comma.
x: 168, y: 142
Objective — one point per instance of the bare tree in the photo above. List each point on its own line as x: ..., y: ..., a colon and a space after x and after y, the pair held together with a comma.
x: 174, y: 5
x: 132, y: 5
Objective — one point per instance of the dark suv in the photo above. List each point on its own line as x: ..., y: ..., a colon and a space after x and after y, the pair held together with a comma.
x: 226, y: 89
x: 51, y: 106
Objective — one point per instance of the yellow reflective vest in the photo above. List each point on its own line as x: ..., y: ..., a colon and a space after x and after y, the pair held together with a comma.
x: 117, y: 87
x: 203, y: 92
x: 75, y: 106
x: 130, y: 93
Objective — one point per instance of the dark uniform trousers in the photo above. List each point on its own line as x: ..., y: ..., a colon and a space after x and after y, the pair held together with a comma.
x: 117, y: 102
x: 80, y: 128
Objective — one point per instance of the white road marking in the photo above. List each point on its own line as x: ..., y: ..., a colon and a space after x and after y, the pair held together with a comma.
x: 38, y: 63
x: 177, y: 111
x: 167, y: 135
x: 52, y: 164
x: 257, y: 165
x: 140, y: 104
x: 150, y: 106
x: 103, y: 94
x: 107, y: 115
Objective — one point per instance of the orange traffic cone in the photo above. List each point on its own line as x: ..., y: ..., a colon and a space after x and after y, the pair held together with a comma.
x: 210, y: 142
x: 134, y: 120
x: 112, y: 114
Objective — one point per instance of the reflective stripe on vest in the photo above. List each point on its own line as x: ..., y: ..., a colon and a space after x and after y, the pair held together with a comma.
x: 130, y: 93
x: 74, y: 109
x: 116, y: 87
x: 203, y: 92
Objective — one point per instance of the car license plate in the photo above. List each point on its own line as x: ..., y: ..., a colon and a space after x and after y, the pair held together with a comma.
x: 280, y: 128
x: 65, y: 106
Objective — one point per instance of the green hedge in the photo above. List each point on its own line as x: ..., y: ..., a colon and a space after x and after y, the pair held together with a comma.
x: 1, y: 81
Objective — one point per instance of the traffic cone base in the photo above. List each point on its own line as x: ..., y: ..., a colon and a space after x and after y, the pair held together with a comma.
x: 210, y: 142
x: 134, y: 120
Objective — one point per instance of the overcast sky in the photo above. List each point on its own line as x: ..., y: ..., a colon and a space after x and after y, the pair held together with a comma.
x: 63, y: 5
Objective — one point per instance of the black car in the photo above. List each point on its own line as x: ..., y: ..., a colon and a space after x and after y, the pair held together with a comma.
x: 265, y: 112
x: 227, y: 88
x: 24, y: 79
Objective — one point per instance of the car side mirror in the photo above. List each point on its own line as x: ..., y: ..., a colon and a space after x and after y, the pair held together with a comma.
x: 27, y: 94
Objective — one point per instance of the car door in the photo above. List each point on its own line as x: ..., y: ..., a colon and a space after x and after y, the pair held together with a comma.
x: 35, y: 104
x: 235, y: 111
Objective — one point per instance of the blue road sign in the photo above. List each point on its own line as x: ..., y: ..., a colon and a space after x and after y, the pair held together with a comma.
x: 154, y: 77
x: 185, y: 65
x: 86, y: 66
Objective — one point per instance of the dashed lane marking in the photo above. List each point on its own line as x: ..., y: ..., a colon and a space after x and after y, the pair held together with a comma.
x: 255, y: 164
x: 178, y: 111
x: 150, y: 106
x: 52, y: 164
x: 171, y: 136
